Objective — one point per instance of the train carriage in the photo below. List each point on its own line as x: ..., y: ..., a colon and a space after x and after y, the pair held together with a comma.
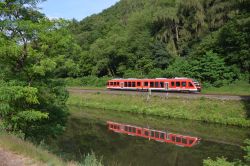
x: 157, y: 84
x: 151, y: 134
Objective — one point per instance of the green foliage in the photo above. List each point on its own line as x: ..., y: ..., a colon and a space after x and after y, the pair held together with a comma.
x: 166, y: 39
x: 218, y: 162
x: 247, y: 150
x: 89, y: 81
x: 222, y: 161
x: 91, y: 160
x: 30, y: 101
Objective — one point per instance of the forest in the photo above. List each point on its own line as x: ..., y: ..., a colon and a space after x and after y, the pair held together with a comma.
x: 203, y: 39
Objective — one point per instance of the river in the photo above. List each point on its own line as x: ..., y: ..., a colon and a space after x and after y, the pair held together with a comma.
x: 87, y: 131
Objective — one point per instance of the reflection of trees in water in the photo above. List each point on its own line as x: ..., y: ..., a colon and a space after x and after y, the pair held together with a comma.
x: 83, y: 135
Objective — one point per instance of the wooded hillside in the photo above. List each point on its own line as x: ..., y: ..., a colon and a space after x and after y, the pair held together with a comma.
x: 204, y: 39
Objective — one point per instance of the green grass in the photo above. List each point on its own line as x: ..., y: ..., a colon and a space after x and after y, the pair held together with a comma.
x: 237, y: 88
x: 206, y: 110
x: 39, y: 156
x: 26, y: 149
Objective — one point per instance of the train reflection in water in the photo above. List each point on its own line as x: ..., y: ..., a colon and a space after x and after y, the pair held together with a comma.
x: 157, y: 135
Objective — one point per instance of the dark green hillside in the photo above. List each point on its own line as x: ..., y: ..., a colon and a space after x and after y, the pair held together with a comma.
x: 205, y: 39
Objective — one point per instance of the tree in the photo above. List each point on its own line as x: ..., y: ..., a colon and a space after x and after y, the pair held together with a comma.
x: 31, y: 101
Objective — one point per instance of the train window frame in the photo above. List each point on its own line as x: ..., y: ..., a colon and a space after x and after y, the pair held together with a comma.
x: 156, y: 84
x: 191, y: 141
x: 184, y: 140
x: 111, y: 83
x: 133, y: 129
x: 162, y: 84
x: 151, y: 84
x: 138, y: 83
x: 162, y: 135
x: 178, y: 139
x: 190, y: 84
x: 125, y: 84
x: 146, y: 83
x: 157, y: 134
x: 152, y: 133
x: 114, y: 83
x: 178, y: 83
x: 129, y: 84
x: 117, y: 83
x: 183, y: 83
x: 133, y: 84
x: 172, y: 83
x: 146, y: 133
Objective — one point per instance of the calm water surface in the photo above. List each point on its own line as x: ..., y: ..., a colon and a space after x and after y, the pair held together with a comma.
x: 87, y: 131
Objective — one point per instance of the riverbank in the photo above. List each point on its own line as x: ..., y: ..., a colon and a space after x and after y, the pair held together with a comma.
x: 206, y: 110
x: 15, y: 151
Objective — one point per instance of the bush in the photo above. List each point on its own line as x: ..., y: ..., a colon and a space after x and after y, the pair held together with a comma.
x: 92, y: 81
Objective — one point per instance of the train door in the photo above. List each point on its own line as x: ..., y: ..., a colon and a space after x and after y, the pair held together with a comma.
x: 122, y: 84
x: 166, y: 85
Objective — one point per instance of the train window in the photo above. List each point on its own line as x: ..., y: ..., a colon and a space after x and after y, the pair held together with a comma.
x: 162, y: 135
x: 184, y: 140
x: 151, y: 84
x: 111, y: 126
x: 173, y: 138
x: 145, y: 83
x: 115, y: 126
x: 178, y: 84
x: 152, y: 134
x: 129, y: 84
x: 117, y: 83
x: 172, y: 83
x: 156, y: 134
x: 191, y: 141
x: 134, y: 130
x: 133, y: 84
x: 138, y: 83
x: 146, y: 133
x: 118, y: 127
x: 126, y: 128
x: 138, y: 131
x: 111, y: 83
x: 125, y: 84
x: 157, y: 84
x: 183, y: 84
x: 178, y: 139
x: 190, y: 84
x: 114, y: 83
x: 130, y: 129
x: 161, y: 84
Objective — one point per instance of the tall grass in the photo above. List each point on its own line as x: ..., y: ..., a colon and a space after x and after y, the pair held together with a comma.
x: 36, y: 154
x: 206, y: 110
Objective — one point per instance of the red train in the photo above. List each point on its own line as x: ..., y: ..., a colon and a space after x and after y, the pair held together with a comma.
x: 157, y: 84
x: 157, y: 135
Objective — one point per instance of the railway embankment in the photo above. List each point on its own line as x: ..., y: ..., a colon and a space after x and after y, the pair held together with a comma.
x: 209, y: 110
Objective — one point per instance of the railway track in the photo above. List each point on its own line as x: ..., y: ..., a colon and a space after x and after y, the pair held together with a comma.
x: 162, y: 94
